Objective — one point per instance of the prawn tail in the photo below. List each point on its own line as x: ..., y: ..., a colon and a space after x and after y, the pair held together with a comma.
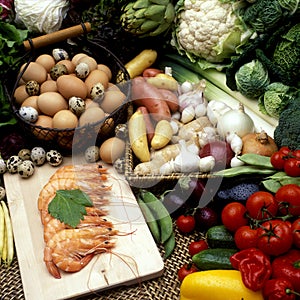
x: 51, y: 267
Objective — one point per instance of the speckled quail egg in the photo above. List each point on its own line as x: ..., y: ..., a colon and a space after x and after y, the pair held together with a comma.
x: 60, y: 54
x: 76, y: 105
x: 28, y: 113
x: 119, y: 165
x: 58, y: 70
x: 54, y: 158
x: 92, y: 154
x: 97, y: 92
x: 38, y: 155
x: 12, y: 164
x: 26, y: 168
x: 32, y: 88
x: 24, y: 154
x: 2, y: 192
x: 2, y: 166
x: 82, y: 70
x: 121, y: 131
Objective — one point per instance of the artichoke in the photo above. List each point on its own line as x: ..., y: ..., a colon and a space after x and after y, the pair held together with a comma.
x: 146, y: 18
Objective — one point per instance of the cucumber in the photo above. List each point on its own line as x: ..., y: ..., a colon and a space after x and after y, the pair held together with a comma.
x: 214, y: 259
x: 219, y: 237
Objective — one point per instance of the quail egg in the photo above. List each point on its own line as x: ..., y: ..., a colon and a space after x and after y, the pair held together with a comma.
x: 82, y: 70
x: 119, y: 165
x: 97, y: 92
x: 92, y: 154
x: 38, y: 155
x: 2, y: 166
x: 12, y: 164
x: 32, y: 88
x: 58, y: 70
x: 60, y: 54
x: 76, y: 105
x: 2, y: 192
x: 54, y: 158
x: 28, y: 113
x: 24, y: 154
x: 26, y: 168
x: 121, y: 131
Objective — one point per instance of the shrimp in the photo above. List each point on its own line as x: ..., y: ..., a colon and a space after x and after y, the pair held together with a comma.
x: 70, y: 250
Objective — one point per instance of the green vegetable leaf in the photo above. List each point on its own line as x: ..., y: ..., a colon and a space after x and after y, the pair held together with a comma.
x: 68, y: 206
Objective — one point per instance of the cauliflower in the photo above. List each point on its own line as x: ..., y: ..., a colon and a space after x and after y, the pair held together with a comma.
x: 207, y: 29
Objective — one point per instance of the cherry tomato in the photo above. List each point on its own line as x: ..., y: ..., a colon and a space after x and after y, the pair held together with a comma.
x: 274, y: 237
x: 278, y: 160
x: 245, y: 237
x: 296, y: 233
x: 285, y: 150
x: 292, y: 167
x: 288, y: 198
x: 261, y: 205
x: 197, y: 246
x: 233, y: 216
x: 185, y: 270
x: 296, y: 154
x: 186, y: 223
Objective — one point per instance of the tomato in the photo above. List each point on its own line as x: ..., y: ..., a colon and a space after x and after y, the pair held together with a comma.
x: 278, y: 160
x: 292, y: 167
x: 288, y: 198
x: 261, y: 205
x: 185, y: 270
x: 274, y: 237
x: 186, y: 223
x: 296, y: 233
x: 197, y: 246
x: 233, y: 215
x: 296, y: 154
x: 285, y: 150
x: 245, y: 237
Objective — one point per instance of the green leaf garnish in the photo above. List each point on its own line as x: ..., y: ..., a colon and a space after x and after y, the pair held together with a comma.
x: 68, y: 206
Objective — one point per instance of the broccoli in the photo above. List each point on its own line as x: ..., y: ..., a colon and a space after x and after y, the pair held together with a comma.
x: 287, y: 132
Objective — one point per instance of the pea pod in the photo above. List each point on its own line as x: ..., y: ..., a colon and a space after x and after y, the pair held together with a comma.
x: 160, y: 213
x: 169, y: 245
x: 253, y: 159
x: 243, y: 170
x: 150, y: 220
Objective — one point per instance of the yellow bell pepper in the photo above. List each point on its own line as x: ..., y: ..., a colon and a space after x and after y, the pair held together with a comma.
x: 216, y: 285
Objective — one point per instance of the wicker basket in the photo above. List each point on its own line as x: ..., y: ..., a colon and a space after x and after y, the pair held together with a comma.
x: 79, y: 138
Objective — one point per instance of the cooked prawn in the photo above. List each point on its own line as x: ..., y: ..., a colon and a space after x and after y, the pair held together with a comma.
x: 71, y: 250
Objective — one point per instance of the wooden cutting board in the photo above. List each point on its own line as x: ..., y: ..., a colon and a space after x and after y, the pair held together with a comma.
x: 135, y: 257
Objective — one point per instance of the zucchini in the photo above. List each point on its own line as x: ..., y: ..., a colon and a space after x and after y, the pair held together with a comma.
x: 214, y: 259
x: 219, y: 237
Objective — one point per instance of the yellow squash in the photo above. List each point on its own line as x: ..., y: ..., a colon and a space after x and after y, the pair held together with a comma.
x: 216, y: 285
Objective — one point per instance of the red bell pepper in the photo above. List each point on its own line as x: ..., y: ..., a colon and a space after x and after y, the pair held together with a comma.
x: 288, y: 266
x: 278, y: 289
x: 254, y: 265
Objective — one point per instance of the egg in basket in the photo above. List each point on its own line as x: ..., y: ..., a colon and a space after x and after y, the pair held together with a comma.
x: 71, y: 96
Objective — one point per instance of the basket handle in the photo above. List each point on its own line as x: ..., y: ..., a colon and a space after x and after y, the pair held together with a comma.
x: 57, y: 36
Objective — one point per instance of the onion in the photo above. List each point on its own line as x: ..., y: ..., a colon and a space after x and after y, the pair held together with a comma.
x: 221, y: 151
x: 235, y: 121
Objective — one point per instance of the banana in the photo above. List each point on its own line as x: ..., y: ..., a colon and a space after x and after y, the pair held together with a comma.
x: 169, y: 13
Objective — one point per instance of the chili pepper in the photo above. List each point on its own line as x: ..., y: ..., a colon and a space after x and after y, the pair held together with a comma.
x: 288, y: 266
x: 254, y: 265
x: 278, y: 289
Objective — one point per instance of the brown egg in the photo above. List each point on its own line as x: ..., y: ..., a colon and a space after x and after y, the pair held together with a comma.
x: 20, y: 94
x: 90, y: 103
x: 69, y: 86
x: 46, y: 60
x: 90, y: 61
x: 112, y: 149
x: 95, y: 77
x: 91, y: 115
x: 34, y: 71
x: 51, y: 102
x: 106, y: 69
x: 76, y: 58
x: 112, y: 87
x: 64, y: 119
x: 31, y: 101
x: 112, y: 100
x: 44, y: 134
x: 69, y: 65
x: 48, y: 86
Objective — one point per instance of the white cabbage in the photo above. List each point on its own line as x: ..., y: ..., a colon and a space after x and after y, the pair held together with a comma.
x: 41, y: 16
